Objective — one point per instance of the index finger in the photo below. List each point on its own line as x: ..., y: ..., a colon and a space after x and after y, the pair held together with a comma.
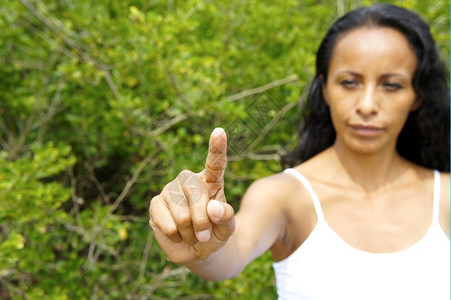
x: 217, y: 156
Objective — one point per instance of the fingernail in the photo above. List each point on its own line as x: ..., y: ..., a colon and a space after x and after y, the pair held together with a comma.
x: 218, y: 210
x: 203, y: 236
x: 217, y: 130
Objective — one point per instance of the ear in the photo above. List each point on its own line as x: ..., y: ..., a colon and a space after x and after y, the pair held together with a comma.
x: 324, y: 89
x: 416, y: 104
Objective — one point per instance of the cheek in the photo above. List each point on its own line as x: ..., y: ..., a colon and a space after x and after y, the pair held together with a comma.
x: 339, y: 114
x: 404, y: 105
x: 400, y: 116
x: 338, y: 103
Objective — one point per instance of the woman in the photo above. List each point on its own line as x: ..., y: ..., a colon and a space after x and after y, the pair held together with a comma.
x: 363, y: 216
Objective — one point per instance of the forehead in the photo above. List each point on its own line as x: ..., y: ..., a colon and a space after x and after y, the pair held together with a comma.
x: 374, y: 48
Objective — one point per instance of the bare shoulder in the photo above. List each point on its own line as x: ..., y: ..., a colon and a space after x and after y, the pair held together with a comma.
x: 445, y: 202
x: 281, y: 213
x: 275, y: 190
x: 271, y: 204
x: 445, y: 189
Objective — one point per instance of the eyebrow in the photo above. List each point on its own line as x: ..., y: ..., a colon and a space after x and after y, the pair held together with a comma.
x: 383, y: 75
x: 350, y: 72
x: 394, y: 74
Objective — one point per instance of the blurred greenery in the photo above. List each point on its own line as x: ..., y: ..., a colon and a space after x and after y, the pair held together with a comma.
x: 103, y: 102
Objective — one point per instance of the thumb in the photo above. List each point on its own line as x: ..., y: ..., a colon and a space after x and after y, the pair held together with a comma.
x: 222, y: 216
x: 220, y: 213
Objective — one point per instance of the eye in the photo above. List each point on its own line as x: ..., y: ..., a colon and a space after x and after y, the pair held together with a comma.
x: 349, y: 83
x: 392, y: 86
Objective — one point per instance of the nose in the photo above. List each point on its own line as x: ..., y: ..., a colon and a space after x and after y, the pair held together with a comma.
x: 367, y: 103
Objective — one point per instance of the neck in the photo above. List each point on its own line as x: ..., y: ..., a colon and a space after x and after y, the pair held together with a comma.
x: 370, y: 172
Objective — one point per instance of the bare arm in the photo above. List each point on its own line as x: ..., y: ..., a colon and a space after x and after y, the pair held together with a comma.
x: 259, y: 223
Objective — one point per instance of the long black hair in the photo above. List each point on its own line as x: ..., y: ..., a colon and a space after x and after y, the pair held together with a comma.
x: 424, y: 139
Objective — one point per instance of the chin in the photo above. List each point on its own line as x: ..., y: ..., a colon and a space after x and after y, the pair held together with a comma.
x: 368, y: 147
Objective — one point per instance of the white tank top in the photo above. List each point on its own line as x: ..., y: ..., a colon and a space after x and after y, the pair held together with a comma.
x: 325, y: 267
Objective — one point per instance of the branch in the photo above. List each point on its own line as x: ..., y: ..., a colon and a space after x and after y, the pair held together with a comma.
x: 145, y: 256
x: 109, y: 80
x: 97, y: 228
x: 75, y: 198
x: 92, y: 238
x: 75, y: 45
x: 271, y: 124
x: 96, y: 182
x: 175, y: 86
x: 142, y: 267
x: 256, y: 156
x: 9, y: 134
x: 57, y: 31
x: 5, y: 145
x: 167, y: 272
x: 261, y: 89
x: 52, y: 109
x: 130, y: 183
x: 11, y: 287
x: 169, y: 124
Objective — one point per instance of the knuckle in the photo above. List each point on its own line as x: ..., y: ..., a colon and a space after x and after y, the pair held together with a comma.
x: 191, y: 241
x: 215, y: 166
x: 152, y: 224
x: 155, y: 203
x: 202, y: 222
x: 184, y: 174
x: 154, y: 200
x: 229, y: 213
x: 224, y: 232
x: 175, y: 259
x: 151, y: 217
x: 164, y: 191
x: 185, y: 171
x: 157, y: 225
x: 183, y: 219
x: 182, y: 178
x: 170, y: 232
x: 202, y: 256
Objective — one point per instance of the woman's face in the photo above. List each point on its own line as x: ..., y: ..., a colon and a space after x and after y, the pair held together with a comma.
x: 369, y: 88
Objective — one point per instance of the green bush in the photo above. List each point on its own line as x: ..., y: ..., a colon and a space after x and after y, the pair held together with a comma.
x: 103, y: 102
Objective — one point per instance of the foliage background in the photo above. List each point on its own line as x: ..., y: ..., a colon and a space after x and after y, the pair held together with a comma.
x: 103, y: 102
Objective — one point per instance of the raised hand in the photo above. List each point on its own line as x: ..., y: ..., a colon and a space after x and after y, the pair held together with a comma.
x: 190, y: 217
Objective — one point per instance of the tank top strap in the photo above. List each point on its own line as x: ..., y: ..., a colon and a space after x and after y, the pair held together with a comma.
x: 308, y: 186
x: 436, y: 197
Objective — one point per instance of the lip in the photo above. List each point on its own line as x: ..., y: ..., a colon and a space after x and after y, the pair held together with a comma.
x: 365, y: 130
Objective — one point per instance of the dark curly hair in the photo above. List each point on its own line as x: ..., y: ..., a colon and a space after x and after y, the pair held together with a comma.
x: 424, y: 139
